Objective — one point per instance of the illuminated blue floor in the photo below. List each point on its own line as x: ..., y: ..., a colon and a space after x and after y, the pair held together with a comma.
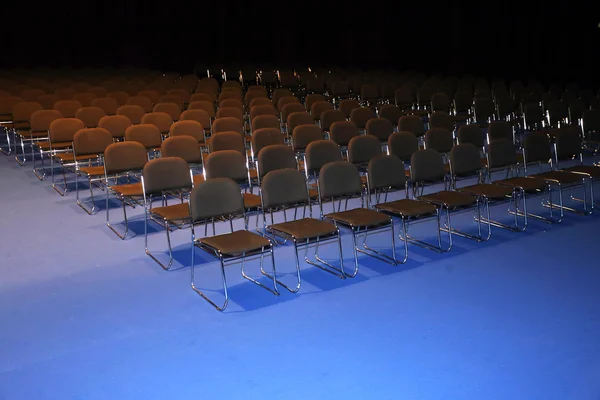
x: 84, y: 315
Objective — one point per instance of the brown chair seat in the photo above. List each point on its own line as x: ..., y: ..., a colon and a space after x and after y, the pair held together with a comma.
x: 306, y: 228
x: 175, y: 212
x: 236, y: 243
x: 93, y: 171
x: 313, y: 193
x: 450, y: 198
x: 590, y: 170
x: 251, y: 201
x: 490, y: 191
x: 55, y: 146
x: 253, y: 174
x: 68, y: 157
x: 527, y: 184
x: 408, y: 208
x: 559, y: 177
x: 129, y: 189
x: 198, y: 178
x: 360, y: 218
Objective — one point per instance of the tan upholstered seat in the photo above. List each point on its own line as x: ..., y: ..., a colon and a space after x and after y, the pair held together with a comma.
x: 236, y: 243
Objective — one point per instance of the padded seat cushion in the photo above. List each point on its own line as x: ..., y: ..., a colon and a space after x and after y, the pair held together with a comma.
x: 236, y: 243
x: 306, y: 228
x: 360, y: 218
x: 450, y: 199
x: 408, y: 208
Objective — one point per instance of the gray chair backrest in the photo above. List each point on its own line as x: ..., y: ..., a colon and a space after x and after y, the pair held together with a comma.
x: 411, y: 123
x: 471, y: 134
x: 166, y: 173
x: 214, y: 198
x: 185, y: 147
x: 227, y: 141
x: 284, y: 187
x: 342, y: 131
x: 568, y: 143
x: 266, y: 137
x: 386, y: 171
x: 501, y: 153
x: 537, y: 147
x: 465, y: 159
x: 441, y: 119
x: 124, y: 156
x: 339, y: 178
x: 439, y: 139
x: 275, y: 157
x: 321, y: 152
x: 381, y: 128
x: 403, y: 145
x: 226, y: 164
x: 427, y: 166
x: 303, y: 135
x: 147, y: 134
x: 362, y: 149
x: 500, y: 130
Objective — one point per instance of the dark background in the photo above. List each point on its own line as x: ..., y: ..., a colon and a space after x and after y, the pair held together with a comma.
x: 509, y: 39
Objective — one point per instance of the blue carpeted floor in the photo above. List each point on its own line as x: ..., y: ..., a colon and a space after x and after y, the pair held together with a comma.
x: 84, y: 315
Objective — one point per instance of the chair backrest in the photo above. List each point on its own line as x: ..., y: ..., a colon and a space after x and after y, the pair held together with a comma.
x: 170, y: 108
x: 133, y: 112
x: 536, y: 148
x: 305, y: 134
x: 185, y: 147
x: 427, y: 166
x: 361, y: 115
x: 124, y: 156
x: 91, y: 141
x: 90, y: 116
x: 227, y: 141
x: 264, y: 109
x: 317, y: 108
x: 266, y: 137
x: 403, y: 144
x: 411, y: 123
x: 165, y: 174
x: 283, y: 187
x: 275, y: 157
x: 500, y: 130
x: 319, y: 153
x: 298, y: 118
x: 501, y: 154
x: 200, y: 116
x: 161, y: 120
x: 63, y: 129
x: 146, y: 134
x: 115, y: 124
x: 471, y: 134
x: 329, y: 117
x: 232, y: 112
x: 567, y: 143
x: 381, y: 128
x: 361, y: 149
x: 386, y: 172
x: 439, y: 139
x: 40, y: 120
x: 188, y: 128
x: 339, y: 178
x: 390, y: 112
x: 67, y: 108
x: 226, y: 164
x: 228, y: 124
x: 441, y: 119
x: 141, y: 101
x: 342, y: 132
x: 465, y: 160
x: 265, y: 121
x: 214, y: 198
x: 108, y: 104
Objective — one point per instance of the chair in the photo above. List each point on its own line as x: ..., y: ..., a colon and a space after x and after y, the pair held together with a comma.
x: 385, y: 174
x: 90, y: 116
x: 340, y: 181
x: 274, y: 157
x: 147, y: 134
x: 427, y: 167
x: 219, y: 198
x: 161, y: 120
x: 116, y: 125
x: 124, y: 160
x: 89, y: 145
x: 465, y: 162
x: 265, y: 137
x: 537, y: 152
x: 501, y: 157
x: 285, y: 190
x: 185, y: 147
x: 161, y: 178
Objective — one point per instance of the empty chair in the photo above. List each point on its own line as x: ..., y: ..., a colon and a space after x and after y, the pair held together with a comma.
x: 85, y: 99
x: 361, y: 115
x: 298, y: 118
x: 274, y: 157
x: 109, y: 105
x: 265, y: 121
x: 67, y: 108
x: 89, y: 146
x: 392, y: 113
x: 329, y: 117
x: 162, y: 176
x: 317, y: 154
x: 361, y: 149
x: 227, y: 140
x: 200, y: 116
x: 412, y: 123
x: 265, y: 137
x: 115, y: 124
x: 346, y: 106
x: 141, y: 101
x: 342, y: 131
x: 441, y: 119
x: 228, y: 124
x: 123, y: 160
x: 230, y: 112
x: 170, y: 108
x: 318, y: 108
x: 188, y: 128
x: 220, y: 198
x: 147, y: 134
x: 133, y: 112
x: 427, y: 167
x: 286, y: 190
x: 385, y: 174
x: 439, y: 139
x: 259, y: 110
x: 339, y: 182
x: 303, y: 135
x: 185, y: 147
x: 381, y: 128
x: 403, y: 144
x: 90, y: 116
x: 161, y: 120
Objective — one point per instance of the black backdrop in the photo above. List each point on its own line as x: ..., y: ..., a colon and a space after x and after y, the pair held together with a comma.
x: 506, y: 39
